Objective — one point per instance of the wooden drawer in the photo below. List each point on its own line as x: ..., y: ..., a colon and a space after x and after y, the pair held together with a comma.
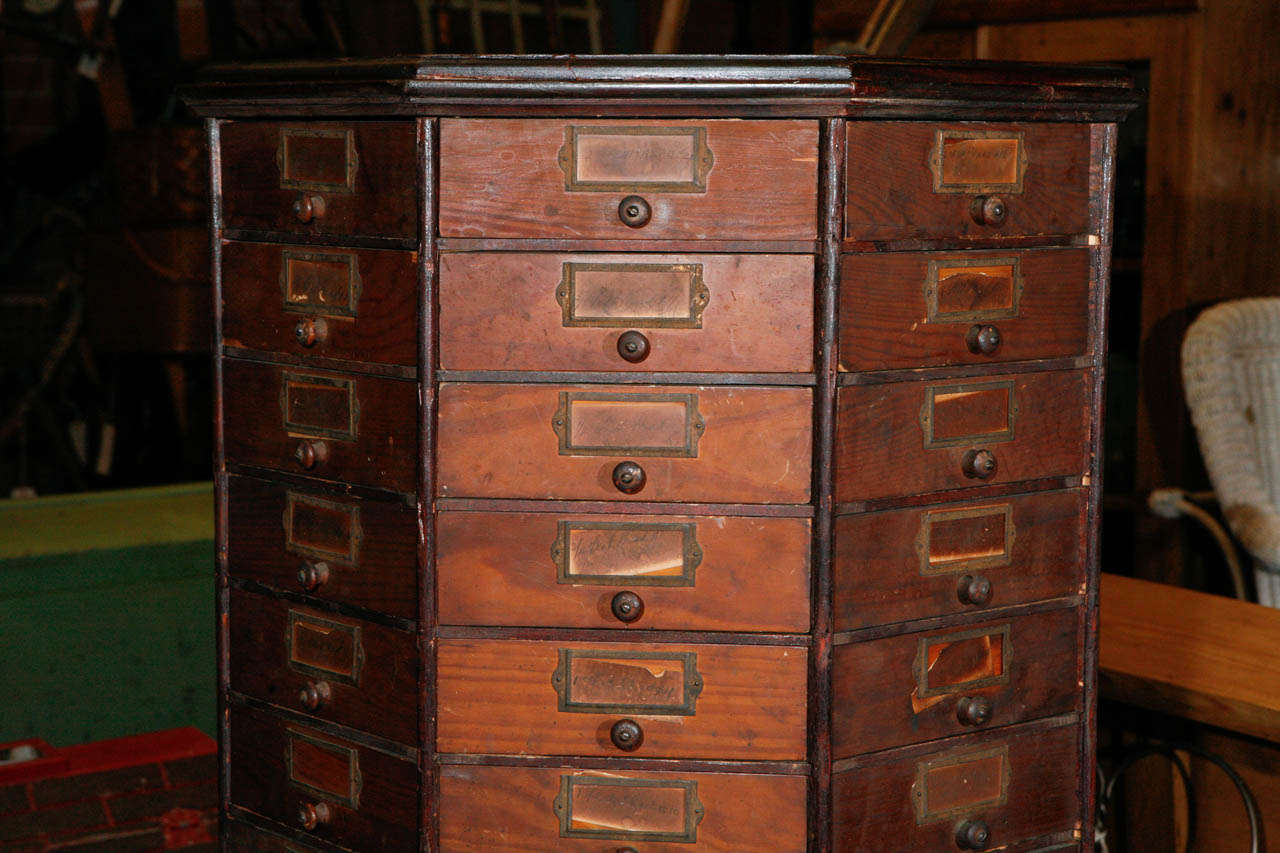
x: 243, y: 838
x: 698, y: 180
x: 931, y: 309
x: 357, y: 674
x: 335, y: 547
x: 940, y: 560
x: 591, y: 811
x: 579, y: 571
x: 498, y: 697
x: 358, y: 429
x: 339, y: 303
x: 280, y: 768
x: 915, y: 687
x: 1024, y: 786
x: 361, y: 178
x: 743, y: 313
x: 905, y: 438
x: 715, y: 444
x: 918, y: 180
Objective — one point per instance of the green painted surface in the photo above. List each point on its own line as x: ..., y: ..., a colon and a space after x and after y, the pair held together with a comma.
x: 107, y: 608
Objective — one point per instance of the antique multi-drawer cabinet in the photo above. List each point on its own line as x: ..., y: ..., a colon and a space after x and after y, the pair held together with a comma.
x: 638, y: 455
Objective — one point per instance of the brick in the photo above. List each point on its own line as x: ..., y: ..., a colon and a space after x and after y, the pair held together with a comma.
x: 80, y: 787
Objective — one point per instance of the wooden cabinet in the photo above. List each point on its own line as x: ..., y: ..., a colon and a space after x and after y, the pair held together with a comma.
x: 650, y: 455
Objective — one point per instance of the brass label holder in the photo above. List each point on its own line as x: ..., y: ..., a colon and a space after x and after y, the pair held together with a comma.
x: 928, y: 419
x: 930, y: 518
x: 925, y: 691
x: 355, y: 782
x: 562, y: 424
x: 933, y: 812
x: 572, y: 317
x: 291, y: 383
x: 577, y: 168
x: 294, y: 502
x: 286, y: 160
x: 691, y: 553
x: 978, y: 161
x: 693, y: 810
x: 350, y: 675
x: 691, y: 683
x: 934, y: 280
x: 298, y: 302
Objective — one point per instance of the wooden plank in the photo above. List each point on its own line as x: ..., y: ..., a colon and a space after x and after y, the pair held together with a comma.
x: 1203, y: 657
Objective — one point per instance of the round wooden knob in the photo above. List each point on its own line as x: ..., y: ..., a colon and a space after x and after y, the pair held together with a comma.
x: 310, y: 332
x: 634, y: 211
x: 974, y: 589
x: 312, y: 576
x: 973, y: 835
x: 973, y: 711
x: 308, y: 208
x: 310, y: 453
x: 983, y: 339
x: 627, y: 607
x: 313, y: 815
x: 626, y: 735
x: 978, y: 464
x: 633, y: 347
x: 315, y: 695
x: 628, y: 477
x: 988, y: 210
x: 626, y: 850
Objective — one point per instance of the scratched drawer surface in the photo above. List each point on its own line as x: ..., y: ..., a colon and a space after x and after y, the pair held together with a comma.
x: 921, y: 180
x: 955, y: 558
x: 338, y: 669
x: 589, y: 811
x: 335, y: 790
x: 321, y: 179
x: 352, y: 304
x: 623, y: 179
x: 932, y: 308
x: 905, y: 438
x: 1020, y: 789
x: 916, y: 687
x: 621, y: 699
x: 743, y: 313
x: 620, y: 571
x: 666, y: 443
x: 338, y: 426
x: 244, y: 838
x: 336, y: 548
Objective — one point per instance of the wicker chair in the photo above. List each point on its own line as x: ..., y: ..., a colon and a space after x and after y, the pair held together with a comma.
x: 1231, y: 372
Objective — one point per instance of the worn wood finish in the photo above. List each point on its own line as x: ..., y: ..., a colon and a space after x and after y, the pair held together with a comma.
x: 279, y: 649
x: 504, y: 569
x: 901, y: 565
x: 378, y: 199
x: 386, y: 817
x: 881, y: 442
x: 910, y: 688
x: 757, y: 315
x: 246, y: 838
x: 892, y: 194
x: 492, y: 169
x: 383, y: 412
x: 880, y: 807
x: 916, y: 310
x: 510, y: 809
x: 366, y: 545
x: 357, y: 300
x: 498, y: 696
x: 500, y: 441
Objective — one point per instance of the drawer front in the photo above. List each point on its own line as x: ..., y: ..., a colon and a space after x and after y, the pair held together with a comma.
x: 749, y: 445
x: 617, y: 571
x: 358, y: 429
x: 905, y: 438
x: 353, y: 304
x: 283, y: 770
x: 689, y: 701
x: 244, y: 838
x: 953, y: 558
x: 744, y: 313
x: 342, y: 670
x: 337, y: 548
x: 931, y: 309
x: 1022, y: 786
x: 916, y: 687
x: 587, y: 811
x: 694, y: 180
x: 356, y: 179
x: 918, y: 180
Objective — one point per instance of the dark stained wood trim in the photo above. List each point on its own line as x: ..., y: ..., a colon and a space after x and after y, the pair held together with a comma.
x: 239, y: 814
x: 252, y: 235
x: 317, y: 362
x: 222, y: 595
x: 738, y: 247
x: 625, y: 507
x: 965, y: 244
x: 379, y: 744
x: 976, y: 493
x: 928, y: 374
x: 330, y: 487
x: 618, y: 635
x: 614, y: 378
x: 672, y: 765
x: 876, y: 632
x: 326, y: 605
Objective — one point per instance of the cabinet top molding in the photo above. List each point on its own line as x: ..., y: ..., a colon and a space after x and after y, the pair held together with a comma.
x: 675, y: 85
